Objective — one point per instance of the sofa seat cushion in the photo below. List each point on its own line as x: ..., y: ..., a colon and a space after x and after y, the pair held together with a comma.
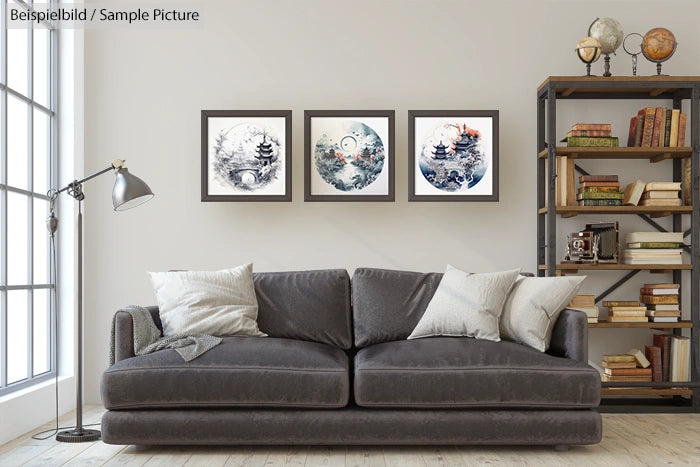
x: 240, y: 372
x: 462, y: 372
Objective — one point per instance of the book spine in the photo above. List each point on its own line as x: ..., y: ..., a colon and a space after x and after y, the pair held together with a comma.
x: 589, y: 133
x: 600, y: 202
x: 634, y: 121
x: 655, y: 245
x: 592, y: 141
x: 659, y: 299
x: 653, y: 354
x: 659, y: 117
x: 600, y: 195
x: 645, y: 291
x: 598, y: 178
x: 667, y: 129
x: 681, y: 130
x: 592, y: 126
x: 673, y: 140
x: 610, y: 303
x: 648, y: 131
x: 599, y: 189
x: 640, y: 129
x: 606, y: 184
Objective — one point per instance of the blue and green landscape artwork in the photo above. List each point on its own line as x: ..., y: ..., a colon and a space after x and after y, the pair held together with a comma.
x: 452, y: 157
x: 349, y: 155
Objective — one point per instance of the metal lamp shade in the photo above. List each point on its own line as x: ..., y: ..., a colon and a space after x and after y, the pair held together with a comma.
x: 129, y: 191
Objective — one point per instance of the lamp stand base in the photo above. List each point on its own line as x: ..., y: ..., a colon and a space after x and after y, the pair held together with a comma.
x: 78, y: 436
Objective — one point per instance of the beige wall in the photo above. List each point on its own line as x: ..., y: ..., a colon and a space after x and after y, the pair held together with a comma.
x: 145, y: 89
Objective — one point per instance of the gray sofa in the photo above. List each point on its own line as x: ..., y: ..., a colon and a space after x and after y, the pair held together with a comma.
x: 337, y: 369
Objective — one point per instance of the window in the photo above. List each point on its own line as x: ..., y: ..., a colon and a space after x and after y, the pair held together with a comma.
x: 27, y: 171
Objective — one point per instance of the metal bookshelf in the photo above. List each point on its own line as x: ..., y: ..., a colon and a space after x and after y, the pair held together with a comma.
x: 624, y: 397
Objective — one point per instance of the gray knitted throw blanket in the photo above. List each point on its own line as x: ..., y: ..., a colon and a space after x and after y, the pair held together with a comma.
x: 147, y: 337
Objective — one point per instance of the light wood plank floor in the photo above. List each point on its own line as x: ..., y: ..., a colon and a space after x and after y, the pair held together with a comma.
x: 628, y: 439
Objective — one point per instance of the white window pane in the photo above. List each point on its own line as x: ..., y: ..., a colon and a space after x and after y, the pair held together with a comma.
x: 41, y: 66
x: 17, y: 59
x: 17, y: 147
x: 16, y: 335
x: 41, y: 242
x: 42, y: 328
x: 41, y: 152
x: 17, y: 238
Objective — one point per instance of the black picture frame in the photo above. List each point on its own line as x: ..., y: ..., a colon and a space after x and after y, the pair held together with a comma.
x: 384, y: 191
x: 452, y: 188
x: 227, y: 193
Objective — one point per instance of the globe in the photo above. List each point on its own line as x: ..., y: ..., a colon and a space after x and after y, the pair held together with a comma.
x: 588, y: 49
x: 609, y: 32
x: 658, y: 44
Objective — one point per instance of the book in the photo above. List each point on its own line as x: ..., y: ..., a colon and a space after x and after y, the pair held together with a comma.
x: 592, y: 141
x: 680, y: 359
x: 627, y: 319
x: 660, y: 194
x: 667, y: 129
x: 660, y: 202
x: 659, y: 260
x: 631, y: 136
x: 685, y: 184
x: 639, y: 357
x: 598, y: 178
x: 618, y: 358
x: 659, y: 123
x: 561, y: 181
x: 653, y: 245
x: 592, y: 319
x: 633, y: 193
x: 651, y: 251
x: 675, y: 116
x: 663, y: 341
x: 582, y: 300
x: 681, y: 130
x: 592, y: 126
x: 653, y: 355
x: 599, y: 195
x: 591, y: 311
x: 628, y: 371
x: 656, y: 299
x: 624, y: 379
x: 615, y: 365
x: 632, y: 237
x: 599, y: 184
x: 664, y: 285
x: 600, y: 202
x: 570, y: 182
x: 621, y: 309
x: 661, y: 307
x: 640, y: 129
x: 648, y: 130
x: 662, y: 186
x: 663, y: 319
x: 649, y: 291
x: 664, y: 313
x: 589, y: 133
x: 600, y: 189
x: 610, y: 303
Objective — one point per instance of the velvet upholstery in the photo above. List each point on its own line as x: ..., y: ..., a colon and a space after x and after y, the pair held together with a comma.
x: 351, y: 426
x: 240, y: 372
x: 456, y: 372
x: 570, y: 336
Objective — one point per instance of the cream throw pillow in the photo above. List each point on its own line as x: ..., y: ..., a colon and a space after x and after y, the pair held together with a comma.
x: 466, y: 305
x: 533, y: 307
x: 220, y: 303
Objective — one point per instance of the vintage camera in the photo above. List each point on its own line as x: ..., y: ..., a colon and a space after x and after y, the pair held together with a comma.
x: 597, y: 243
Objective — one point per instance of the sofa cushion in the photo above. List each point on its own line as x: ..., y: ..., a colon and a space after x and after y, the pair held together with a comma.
x: 240, y: 372
x: 387, y: 304
x: 307, y: 305
x: 461, y: 372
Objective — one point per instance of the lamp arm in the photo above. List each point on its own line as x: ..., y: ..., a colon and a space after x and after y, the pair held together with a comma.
x: 117, y: 164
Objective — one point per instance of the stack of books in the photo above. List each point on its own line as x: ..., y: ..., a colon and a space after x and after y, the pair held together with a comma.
x: 661, y: 194
x: 585, y: 303
x: 653, y: 248
x: 626, y: 311
x: 599, y: 190
x: 674, y: 364
x: 630, y: 367
x: 661, y: 301
x: 591, y: 135
x: 654, y: 127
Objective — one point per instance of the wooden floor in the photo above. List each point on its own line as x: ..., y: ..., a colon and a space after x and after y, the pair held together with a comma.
x: 627, y: 440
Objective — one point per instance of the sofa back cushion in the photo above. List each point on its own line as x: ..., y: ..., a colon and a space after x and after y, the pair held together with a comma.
x: 387, y: 304
x: 306, y: 305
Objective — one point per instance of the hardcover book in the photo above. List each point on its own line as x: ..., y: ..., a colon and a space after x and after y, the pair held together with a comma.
x: 660, y: 202
x: 660, y: 194
x: 618, y: 358
x: 610, y: 303
x: 623, y: 379
x: 627, y: 319
x: 615, y: 365
x: 592, y: 141
x: 592, y: 126
x: 664, y: 285
x: 639, y: 356
x: 599, y: 189
x: 598, y: 178
x: 628, y: 371
x: 663, y: 341
x: 600, y: 202
x: 633, y: 193
x: 680, y: 358
x: 667, y: 129
x: 649, y: 291
x: 675, y: 237
x: 681, y: 130
x: 663, y: 319
x: 653, y: 354
x: 663, y: 186
x: 647, y: 132
x: 599, y: 195
x: 664, y: 313
x: 640, y: 129
x: 659, y: 299
x: 662, y: 308
x: 589, y: 133
x: 653, y: 245
x: 675, y: 116
x: 600, y: 184
x: 659, y: 124
x: 634, y: 121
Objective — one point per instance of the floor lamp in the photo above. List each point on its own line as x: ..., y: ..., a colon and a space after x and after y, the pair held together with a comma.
x: 129, y: 191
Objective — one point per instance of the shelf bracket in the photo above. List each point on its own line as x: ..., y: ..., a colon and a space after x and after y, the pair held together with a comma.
x: 658, y: 91
x: 617, y: 284
x: 660, y: 157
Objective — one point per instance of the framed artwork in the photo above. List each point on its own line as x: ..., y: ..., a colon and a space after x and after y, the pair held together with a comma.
x: 453, y: 155
x: 349, y: 155
x: 246, y: 155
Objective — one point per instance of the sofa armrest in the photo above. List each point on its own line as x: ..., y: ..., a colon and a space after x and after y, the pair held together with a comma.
x: 124, y: 333
x: 570, y: 336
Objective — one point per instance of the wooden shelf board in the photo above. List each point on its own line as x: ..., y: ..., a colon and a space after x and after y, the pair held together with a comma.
x: 653, y: 154
x: 646, y: 392
x: 648, y: 325
x: 654, y: 211
x: 653, y: 85
x: 617, y: 267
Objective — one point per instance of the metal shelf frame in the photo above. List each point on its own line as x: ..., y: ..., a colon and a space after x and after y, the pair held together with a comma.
x: 677, y: 89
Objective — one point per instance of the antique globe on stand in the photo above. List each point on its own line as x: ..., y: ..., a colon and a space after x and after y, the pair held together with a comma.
x: 609, y: 33
x: 658, y: 45
x: 588, y: 51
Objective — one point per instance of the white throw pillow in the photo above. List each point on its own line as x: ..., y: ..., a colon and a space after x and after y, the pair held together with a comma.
x: 533, y: 307
x: 466, y: 305
x: 220, y: 303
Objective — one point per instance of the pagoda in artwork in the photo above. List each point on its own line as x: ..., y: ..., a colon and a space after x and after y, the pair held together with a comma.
x: 464, y: 141
x: 264, y: 150
x: 440, y: 151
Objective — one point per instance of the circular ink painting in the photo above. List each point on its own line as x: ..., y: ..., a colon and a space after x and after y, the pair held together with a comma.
x: 452, y: 157
x: 349, y: 155
x: 247, y: 156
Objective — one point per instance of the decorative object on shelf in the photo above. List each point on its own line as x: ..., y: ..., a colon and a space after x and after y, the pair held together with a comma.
x: 608, y: 32
x: 588, y: 51
x: 129, y: 191
x: 246, y: 155
x: 658, y: 45
x: 597, y: 243
x: 633, y: 50
x: 349, y: 155
x: 453, y: 155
